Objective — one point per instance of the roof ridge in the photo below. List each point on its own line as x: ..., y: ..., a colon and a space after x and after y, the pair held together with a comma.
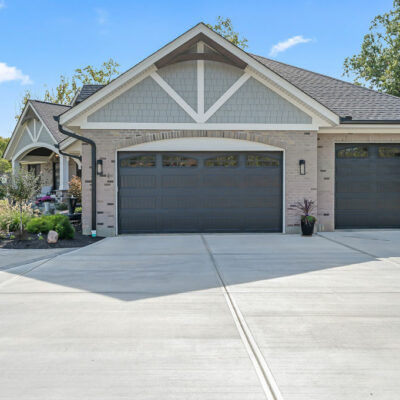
x: 48, y: 102
x: 327, y: 76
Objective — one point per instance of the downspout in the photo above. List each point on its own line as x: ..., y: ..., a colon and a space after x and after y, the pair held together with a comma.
x: 93, y: 146
x: 66, y: 154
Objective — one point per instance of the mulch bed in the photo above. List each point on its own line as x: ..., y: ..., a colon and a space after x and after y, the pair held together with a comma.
x: 32, y: 242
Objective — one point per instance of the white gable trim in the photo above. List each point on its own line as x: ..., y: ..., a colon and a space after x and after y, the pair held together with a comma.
x: 19, y: 129
x: 32, y: 146
x: 86, y: 106
x: 201, y: 144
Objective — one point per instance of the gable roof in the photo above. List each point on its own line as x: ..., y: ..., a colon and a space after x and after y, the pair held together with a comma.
x: 47, y: 112
x: 87, y: 91
x: 341, y: 97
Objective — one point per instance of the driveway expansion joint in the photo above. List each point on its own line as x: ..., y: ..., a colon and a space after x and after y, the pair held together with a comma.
x: 263, y: 372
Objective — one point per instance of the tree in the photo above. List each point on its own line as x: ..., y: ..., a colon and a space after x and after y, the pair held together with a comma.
x: 65, y: 91
x: 225, y: 28
x: 5, y: 165
x: 378, y: 63
x: 20, y: 188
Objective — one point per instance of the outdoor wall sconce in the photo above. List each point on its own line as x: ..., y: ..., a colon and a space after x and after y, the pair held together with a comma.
x: 302, y: 165
x: 100, y: 167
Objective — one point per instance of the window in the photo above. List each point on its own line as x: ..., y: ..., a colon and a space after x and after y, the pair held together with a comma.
x: 388, y: 152
x: 139, y: 161
x: 222, y: 161
x: 259, y: 161
x: 178, y: 161
x: 353, y: 152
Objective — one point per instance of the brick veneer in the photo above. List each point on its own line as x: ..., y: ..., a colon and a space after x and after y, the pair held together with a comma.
x: 297, y: 145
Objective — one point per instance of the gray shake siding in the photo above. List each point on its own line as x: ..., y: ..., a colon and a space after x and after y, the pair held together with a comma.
x: 255, y: 103
x: 182, y: 77
x: 145, y: 102
x: 218, y: 78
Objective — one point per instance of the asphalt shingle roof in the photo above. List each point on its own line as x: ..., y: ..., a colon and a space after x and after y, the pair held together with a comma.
x: 47, y: 112
x: 342, y: 98
x: 86, y: 91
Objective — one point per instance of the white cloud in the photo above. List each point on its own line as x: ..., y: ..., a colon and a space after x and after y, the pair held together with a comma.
x: 101, y: 16
x: 287, y: 44
x: 2, y: 4
x: 8, y: 73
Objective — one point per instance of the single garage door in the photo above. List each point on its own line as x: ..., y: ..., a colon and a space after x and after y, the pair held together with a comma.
x: 367, y: 186
x: 200, y: 192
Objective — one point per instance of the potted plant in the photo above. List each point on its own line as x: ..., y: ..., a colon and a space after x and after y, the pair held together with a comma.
x: 307, y: 219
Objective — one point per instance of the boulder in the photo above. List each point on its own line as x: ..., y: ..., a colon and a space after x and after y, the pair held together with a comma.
x: 52, y: 237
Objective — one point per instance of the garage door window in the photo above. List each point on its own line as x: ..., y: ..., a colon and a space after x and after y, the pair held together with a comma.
x: 222, y: 161
x: 389, y: 152
x: 178, y: 161
x: 353, y: 152
x: 139, y: 161
x: 261, y: 161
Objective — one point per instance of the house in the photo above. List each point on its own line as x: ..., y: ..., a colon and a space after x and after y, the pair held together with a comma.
x: 202, y: 136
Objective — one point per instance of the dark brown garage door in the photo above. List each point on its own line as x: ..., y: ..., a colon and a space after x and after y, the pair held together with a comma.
x: 367, y: 186
x: 200, y: 192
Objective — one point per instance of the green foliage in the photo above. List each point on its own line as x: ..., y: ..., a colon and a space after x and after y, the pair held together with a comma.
x: 225, y: 28
x: 65, y: 91
x: 39, y: 225
x: 378, y: 63
x: 308, y: 218
x: 78, y: 210
x: 61, y: 206
x: 10, y: 216
x: 5, y: 165
x: 19, y: 189
x: 58, y: 222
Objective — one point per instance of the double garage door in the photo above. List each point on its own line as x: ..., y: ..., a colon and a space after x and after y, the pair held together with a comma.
x: 199, y: 192
x: 367, y: 186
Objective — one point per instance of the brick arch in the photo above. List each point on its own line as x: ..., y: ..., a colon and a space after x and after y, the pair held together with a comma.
x: 256, y: 136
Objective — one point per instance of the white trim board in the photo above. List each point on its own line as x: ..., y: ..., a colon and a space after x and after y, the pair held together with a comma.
x: 199, y: 126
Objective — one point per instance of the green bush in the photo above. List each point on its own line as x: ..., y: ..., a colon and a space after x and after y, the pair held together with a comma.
x: 61, y: 206
x: 58, y: 222
x: 39, y: 225
x: 78, y: 210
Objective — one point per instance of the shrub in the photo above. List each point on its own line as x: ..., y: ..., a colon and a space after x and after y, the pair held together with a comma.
x: 75, y: 187
x: 61, y: 206
x: 58, y: 222
x: 39, y: 225
x: 11, y: 216
x: 78, y: 210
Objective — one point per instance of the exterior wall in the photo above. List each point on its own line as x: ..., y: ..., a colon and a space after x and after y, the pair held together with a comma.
x: 145, y: 102
x: 183, y: 78
x: 46, y: 174
x: 255, y: 103
x: 297, y: 145
x: 326, y: 171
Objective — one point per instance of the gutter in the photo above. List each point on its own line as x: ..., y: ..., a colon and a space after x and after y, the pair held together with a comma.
x: 93, y: 146
x: 345, y: 120
x: 66, y: 154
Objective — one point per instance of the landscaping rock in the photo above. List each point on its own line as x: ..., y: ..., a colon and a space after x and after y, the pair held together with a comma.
x: 52, y: 237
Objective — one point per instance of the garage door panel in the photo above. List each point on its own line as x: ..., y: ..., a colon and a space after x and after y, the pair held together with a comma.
x: 200, y: 192
x: 367, y: 189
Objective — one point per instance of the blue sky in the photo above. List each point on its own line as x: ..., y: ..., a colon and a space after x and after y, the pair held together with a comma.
x: 42, y: 39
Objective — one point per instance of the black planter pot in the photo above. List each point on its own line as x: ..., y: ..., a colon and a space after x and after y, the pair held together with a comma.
x: 71, y: 205
x: 307, y: 228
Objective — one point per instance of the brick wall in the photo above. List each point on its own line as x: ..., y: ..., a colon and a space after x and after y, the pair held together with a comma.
x: 297, y: 145
x: 326, y: 171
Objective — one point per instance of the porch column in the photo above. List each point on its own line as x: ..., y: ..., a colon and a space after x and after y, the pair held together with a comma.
x: 64, y: 173
x: 15, y: 166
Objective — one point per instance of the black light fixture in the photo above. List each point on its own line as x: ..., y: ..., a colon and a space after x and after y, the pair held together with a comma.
x: 302, y: 165
x: 100, y: 167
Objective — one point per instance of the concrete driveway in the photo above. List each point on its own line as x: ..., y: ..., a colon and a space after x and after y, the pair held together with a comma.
x: 257, y: 316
